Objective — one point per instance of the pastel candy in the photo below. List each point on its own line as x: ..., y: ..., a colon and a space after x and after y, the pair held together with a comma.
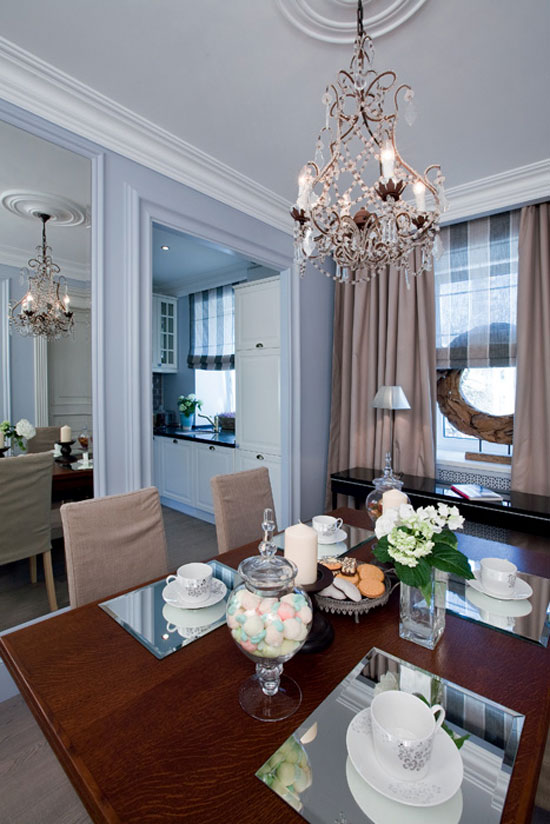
x: 302, y: 634
x: 288, y: 647
x: 288, y: 599
x: 292, y: 628
x: 249, y: 601
x: 232, y: 622
x: 349, y: 589
x: 253, y: 625
x: 305, y: 614
x: 249, y: 646
x: 266, y: 604
x: 273, y: 637
x: 286, y: 611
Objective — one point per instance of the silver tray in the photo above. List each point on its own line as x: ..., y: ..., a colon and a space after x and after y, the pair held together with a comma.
x: 355, y: 608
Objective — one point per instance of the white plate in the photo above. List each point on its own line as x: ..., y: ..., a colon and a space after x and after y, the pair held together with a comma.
x: 173, y: 595
x: 382, y: 810
x: 521, y: 589
x: 501, y: 609
x: 339, y: 535
x: 80, y: 465
x: 190, y: 619
x: 441, y: 783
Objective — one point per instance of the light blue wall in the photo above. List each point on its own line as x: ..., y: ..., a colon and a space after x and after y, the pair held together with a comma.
x: 21, y: 357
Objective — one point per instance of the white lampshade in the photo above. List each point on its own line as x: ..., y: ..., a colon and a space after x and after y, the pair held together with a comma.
x: 390, y: 397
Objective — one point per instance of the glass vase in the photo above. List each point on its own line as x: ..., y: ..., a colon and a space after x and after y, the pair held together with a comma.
x: 419, y: 621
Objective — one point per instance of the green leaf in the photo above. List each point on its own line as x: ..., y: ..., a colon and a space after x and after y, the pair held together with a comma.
x: 417, y: 576
x: 449, y: 559
x: 445, y: 537
x: 380, y: 551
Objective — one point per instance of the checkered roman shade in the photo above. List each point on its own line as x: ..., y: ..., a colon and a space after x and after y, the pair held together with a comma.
x: 476, y: 293
x: 212, y: 329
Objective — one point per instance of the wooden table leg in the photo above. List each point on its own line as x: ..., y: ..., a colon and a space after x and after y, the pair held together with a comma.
x: 48, y: 577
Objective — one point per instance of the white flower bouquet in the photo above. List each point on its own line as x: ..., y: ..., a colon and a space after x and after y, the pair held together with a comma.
x: 417, y: 540
x: 23, y: 430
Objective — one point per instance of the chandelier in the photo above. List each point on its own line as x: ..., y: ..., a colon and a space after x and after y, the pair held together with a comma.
x: 366, y: 226
x: 41, y: 311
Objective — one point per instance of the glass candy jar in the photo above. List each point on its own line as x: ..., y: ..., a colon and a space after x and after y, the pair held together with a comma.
x: 383, y: 484
x: 269, y: 619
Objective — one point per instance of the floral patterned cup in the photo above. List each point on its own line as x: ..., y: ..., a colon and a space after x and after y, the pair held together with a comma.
x: 498, y: 576
x: 403, y: 730
x: 194, y: 581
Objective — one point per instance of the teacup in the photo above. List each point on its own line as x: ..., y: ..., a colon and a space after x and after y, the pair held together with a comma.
x: 498, y: 576
x: 194, y: 581
x: 403, y: 731
x: 326, y: 525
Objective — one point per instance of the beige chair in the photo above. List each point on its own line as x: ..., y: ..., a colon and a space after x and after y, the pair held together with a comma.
x: 113, y: 543
x: 44, y: 440
x: 26, y: 499
x: 239, y: 503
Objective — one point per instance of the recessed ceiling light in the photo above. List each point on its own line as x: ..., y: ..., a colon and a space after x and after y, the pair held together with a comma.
x: 165, y: 248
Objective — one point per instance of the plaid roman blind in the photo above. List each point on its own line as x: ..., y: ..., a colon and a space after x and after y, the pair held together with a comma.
x: 476, y: 293
x: 212, y: 329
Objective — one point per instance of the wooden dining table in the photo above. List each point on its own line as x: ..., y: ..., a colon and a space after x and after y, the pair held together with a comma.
x: 148, y: 740
x: 70, y: 484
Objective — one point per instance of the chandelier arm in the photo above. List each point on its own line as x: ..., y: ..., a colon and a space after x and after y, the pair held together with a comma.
x: 402, y: 86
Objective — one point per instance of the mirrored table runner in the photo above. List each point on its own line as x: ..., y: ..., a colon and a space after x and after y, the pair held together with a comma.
x: 528, y: 618
x: 162, y: 628
x: 312, y: 770
x: 355, y: 537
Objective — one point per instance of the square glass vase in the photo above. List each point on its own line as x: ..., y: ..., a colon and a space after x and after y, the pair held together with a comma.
x: 421, y: 622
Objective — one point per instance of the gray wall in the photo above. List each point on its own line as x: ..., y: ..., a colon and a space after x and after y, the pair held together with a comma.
x: 21, y: 356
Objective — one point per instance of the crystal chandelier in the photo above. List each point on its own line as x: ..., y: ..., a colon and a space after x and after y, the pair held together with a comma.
x: 41, y: 311
x: 353, y: 202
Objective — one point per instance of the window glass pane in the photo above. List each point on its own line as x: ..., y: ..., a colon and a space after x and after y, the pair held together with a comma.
x: 216, y: 390
x: 490, y: 390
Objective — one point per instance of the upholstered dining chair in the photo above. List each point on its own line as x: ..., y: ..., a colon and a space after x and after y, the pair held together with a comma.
x: 113, y: 543
x: 239, y: 503
x: 26, y: 495
x: 45, y: 439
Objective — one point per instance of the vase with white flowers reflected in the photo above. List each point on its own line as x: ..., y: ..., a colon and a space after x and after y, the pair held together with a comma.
x: 423, y: 549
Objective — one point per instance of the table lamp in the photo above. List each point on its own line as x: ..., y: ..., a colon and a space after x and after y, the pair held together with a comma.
x: 391, y: 398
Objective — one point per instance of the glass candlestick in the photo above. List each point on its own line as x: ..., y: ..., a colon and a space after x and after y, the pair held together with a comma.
x: 386, y: 481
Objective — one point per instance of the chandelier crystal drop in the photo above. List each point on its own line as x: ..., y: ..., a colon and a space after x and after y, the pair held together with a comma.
x: 359, y: 203
x: 42, y: 312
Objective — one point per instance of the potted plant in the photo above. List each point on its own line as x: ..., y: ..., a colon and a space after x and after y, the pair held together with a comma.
x: 187, y: 405
x: 18, y: 434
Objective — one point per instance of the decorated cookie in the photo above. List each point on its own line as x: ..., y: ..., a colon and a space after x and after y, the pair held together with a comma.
x: 332, y: 592
x: 332, y: 563
x: 349, y: 566
x: 349, y: 589
x: 353, y: 579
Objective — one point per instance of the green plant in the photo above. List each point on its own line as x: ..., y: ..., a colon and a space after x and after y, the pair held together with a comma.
x: 188, y: 404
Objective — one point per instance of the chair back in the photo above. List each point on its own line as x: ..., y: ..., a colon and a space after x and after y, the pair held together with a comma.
x: 239, y: 503
x: 113, y: 543
x: 45, y: 439
x: 26, y: 499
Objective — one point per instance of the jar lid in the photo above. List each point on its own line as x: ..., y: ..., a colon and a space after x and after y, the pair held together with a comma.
x: 268, y: 574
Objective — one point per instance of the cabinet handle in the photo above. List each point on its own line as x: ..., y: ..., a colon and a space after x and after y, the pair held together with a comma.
x: 174, y: 440
x: 212, y: 448
x: 260, y: 457
x: 259, y: 346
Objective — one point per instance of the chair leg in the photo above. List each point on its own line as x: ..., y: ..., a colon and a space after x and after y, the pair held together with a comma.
x: 48, y: 576
x: 32, y: 565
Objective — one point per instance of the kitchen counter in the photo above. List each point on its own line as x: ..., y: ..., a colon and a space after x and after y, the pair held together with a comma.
x: 224, y: 437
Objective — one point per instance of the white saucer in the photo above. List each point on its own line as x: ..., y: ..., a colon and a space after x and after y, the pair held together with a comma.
x: 187, y: 621
x: 521, y: 589
x: 382, y: 810
x: 173, y: 595
x: 493, y: 606
x: 441, y: 783
x: 81, y: 465
x: 336, y: 538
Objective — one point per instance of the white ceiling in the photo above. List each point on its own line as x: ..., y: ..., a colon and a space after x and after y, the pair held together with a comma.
x: 239, y: 81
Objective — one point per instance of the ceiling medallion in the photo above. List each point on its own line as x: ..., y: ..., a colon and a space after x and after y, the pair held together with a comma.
x: 27, y: 204
x: 360, y: 205
x: 330, y: 21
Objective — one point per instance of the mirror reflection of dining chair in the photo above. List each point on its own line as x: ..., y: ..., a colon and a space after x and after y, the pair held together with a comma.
x: 239, y: 503
x: 113, y: 543
x: 45, y: 439
x: 26, y: 495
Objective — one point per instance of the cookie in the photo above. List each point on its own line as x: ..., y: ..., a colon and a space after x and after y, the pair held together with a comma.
x: 353, y: 579
x: 333, y: 592
x: 371, y: 588
x: 350, y: 591
x: 370, y: 571
x: 349, y: 566
x: 331, y: 562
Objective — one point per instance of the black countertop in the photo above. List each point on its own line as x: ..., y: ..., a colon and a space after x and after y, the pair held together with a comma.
x: 202, y: 434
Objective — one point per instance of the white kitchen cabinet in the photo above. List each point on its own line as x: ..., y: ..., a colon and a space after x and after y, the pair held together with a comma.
x: 258, y: 315
x: 211, y: 460
x: 178, y: 460
x: 258, y: 407
x: 165, y: 334
x: 245, y: 459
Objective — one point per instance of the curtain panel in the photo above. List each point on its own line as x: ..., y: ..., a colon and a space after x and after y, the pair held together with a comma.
x: 531, y: 458
x: 476, y: 293
x: 384, y: 333
x: 212, y: 329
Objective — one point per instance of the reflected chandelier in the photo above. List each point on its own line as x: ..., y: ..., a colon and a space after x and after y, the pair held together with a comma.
x: 366, y: 227
x: 41, y: 311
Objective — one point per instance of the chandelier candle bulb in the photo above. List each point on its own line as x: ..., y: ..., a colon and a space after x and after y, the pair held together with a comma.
x: 387, y: 158
x: 420, y: 195
x: 392, y: 499
x: 301, y: 548
x: 65, y: 434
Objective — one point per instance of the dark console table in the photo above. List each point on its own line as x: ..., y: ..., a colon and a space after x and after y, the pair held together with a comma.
x: 518, y: 510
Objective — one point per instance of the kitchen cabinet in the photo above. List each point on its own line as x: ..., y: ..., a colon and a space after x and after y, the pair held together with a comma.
x: 165, y: 334
x: 254, y: 460
x: 210, y: 460
x: 258, y: 315
x: 177, y: 470
x: 258, y: 405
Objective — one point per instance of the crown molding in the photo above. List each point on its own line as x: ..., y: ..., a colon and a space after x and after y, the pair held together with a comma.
x: 37, y: 86
x: 18, y: 258
x: 506, y: 190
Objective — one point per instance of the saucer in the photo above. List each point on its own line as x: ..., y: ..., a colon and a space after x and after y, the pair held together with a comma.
x: 187, y: 621
x: 382, y: 810
x: 441, y: 783
x: 336, y: 538
x: 494, y: 606
x: 521, y: 589
x: 173, y: 595
x: 82, y: 465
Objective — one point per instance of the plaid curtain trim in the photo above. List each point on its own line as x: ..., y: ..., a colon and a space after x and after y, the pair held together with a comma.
x: 212, y: 329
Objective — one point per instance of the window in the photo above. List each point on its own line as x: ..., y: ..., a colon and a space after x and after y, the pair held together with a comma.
x: 476, y: 298
x: 216, y: 390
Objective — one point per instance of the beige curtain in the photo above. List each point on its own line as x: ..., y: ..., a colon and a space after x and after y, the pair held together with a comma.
x: 384, y: 333
x: 531, y: 459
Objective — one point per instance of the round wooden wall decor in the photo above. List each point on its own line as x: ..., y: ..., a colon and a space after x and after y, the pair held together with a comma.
x: 465, y: 417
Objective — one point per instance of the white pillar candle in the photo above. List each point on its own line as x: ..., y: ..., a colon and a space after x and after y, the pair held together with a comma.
x: 301, y: 548
x: 387, y: 159
x: 65, y: 434
x: 392, y: 499
x: 420, y: 195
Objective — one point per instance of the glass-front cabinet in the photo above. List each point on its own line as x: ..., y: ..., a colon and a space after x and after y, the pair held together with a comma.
x: 165, y: 334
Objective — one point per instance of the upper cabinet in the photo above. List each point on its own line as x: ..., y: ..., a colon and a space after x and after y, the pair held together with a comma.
x: 165, y: 334
x: 258, y: 315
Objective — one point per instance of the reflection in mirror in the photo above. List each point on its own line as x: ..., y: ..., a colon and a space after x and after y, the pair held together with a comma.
x: 47, y: 383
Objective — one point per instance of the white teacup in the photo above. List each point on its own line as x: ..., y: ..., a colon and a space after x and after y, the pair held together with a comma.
x: 498, y: 576
x: 403, y: 731
x: 194, y: 581
x: 326, y: 525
